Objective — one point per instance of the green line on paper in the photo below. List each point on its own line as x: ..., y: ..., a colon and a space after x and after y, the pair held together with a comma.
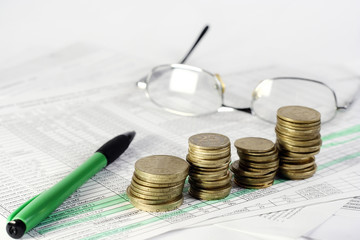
x: 342, y: 133
x: 89, y: 218
x: 103, y: 203
x: 333, y: 144
x: 339, y: 160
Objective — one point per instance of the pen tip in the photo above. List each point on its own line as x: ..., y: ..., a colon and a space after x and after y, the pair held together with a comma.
x: 130, y: 135
x: 16, y: 228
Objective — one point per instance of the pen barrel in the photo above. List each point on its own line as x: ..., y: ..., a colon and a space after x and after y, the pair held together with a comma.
x: 44, y: 204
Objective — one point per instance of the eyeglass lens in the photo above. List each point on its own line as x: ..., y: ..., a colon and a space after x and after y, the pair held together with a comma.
x: 184, y: 90
x: 190, y: 91
x: 272, y: 94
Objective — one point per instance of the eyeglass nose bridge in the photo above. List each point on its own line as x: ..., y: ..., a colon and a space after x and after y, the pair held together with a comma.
x: 221, y: 83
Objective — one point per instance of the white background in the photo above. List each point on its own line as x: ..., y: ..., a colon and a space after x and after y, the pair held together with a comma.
x: 242, y: 33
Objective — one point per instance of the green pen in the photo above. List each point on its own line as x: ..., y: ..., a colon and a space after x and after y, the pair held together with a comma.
x: 32, y: 212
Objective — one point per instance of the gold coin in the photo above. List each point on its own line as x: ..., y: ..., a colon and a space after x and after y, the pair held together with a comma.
x: 303, y: 170
x: 257, y: 175
x: 213, y: 191
x: 295, y: 125
x: 213, y: 177
x: 296, y: 160
x: 256, y: 154
x: 210, y: 184
x: 294, y: 175
x: 254, y: 186
x: 208, y: 163
x: 293, y: 132
x: 297, y: 155
x: 202, y: 169
x: 238, y: 170
x: 290, y: 148
x: 287, y: 138
x: 296, y: 166
x: 161, y: 165
x: 209, y: 151
x: 260, y: 171
x: 197, y: 158
x: 157, y: 207
x: 223, y: 178
x: 151, y: 184
x: 259, y: 158
x: 150, y: 196
x: 209, y: 141
x: 157, y: 189
x: 209, y: 156
x: 259, y: 165
x: 210, y: 194
x: 309, y: 143
x: 162, y: 168
x: 255, y: 168
x: 296, y: 137
x: 298, y: 127
x: 161, y: 179
x: 298, y: 114
x: 297, y: 134
x: 210, y: 174
x: 148, y: 201
x: 149, y: 192
x: 254, y: 144
x: 253, y: 181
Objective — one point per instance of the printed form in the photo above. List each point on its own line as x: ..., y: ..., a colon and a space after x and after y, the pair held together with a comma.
x: 43, y: 138
x: 346, y: 219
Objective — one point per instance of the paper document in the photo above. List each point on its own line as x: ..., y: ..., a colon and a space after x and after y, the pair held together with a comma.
x: 69, y: 70
x: 282, y: 225
x: 287, y: 224
x: 346, y: 220
x: 42, y: 139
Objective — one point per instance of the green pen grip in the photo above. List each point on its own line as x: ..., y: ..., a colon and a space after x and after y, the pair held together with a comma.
x: 46, y: 202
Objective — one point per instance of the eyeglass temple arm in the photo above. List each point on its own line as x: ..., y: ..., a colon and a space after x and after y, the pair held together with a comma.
x: 352, y: 99
x: 202, y: 34
x: 347, y: 104
x: 247, y: 110
x: 142, y: 82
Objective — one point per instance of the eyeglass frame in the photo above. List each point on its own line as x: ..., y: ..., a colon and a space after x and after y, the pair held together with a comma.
x: 143, y: 83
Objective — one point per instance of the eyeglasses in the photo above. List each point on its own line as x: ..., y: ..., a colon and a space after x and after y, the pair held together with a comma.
x: 192, y: 91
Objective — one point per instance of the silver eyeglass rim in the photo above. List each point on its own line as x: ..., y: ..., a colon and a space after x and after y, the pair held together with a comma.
x: 145, y: 82
x: 300, y: 79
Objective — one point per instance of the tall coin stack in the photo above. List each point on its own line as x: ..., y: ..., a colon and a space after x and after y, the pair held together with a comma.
x: 299, y: 140
x: 157, y: 183
x: 258, y: 162
x: 209, y: 158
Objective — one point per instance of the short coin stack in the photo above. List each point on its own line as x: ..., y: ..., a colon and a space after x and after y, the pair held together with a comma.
x: 157, y: 183
x: 209, y: 158
x: 258, y: 162
x: 298, y: 139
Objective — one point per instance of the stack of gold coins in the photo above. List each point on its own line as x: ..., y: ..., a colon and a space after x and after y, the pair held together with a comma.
x: 298, y: 140
x: 258, y: 162
x: 157, y: 183
x: 209, y: 158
